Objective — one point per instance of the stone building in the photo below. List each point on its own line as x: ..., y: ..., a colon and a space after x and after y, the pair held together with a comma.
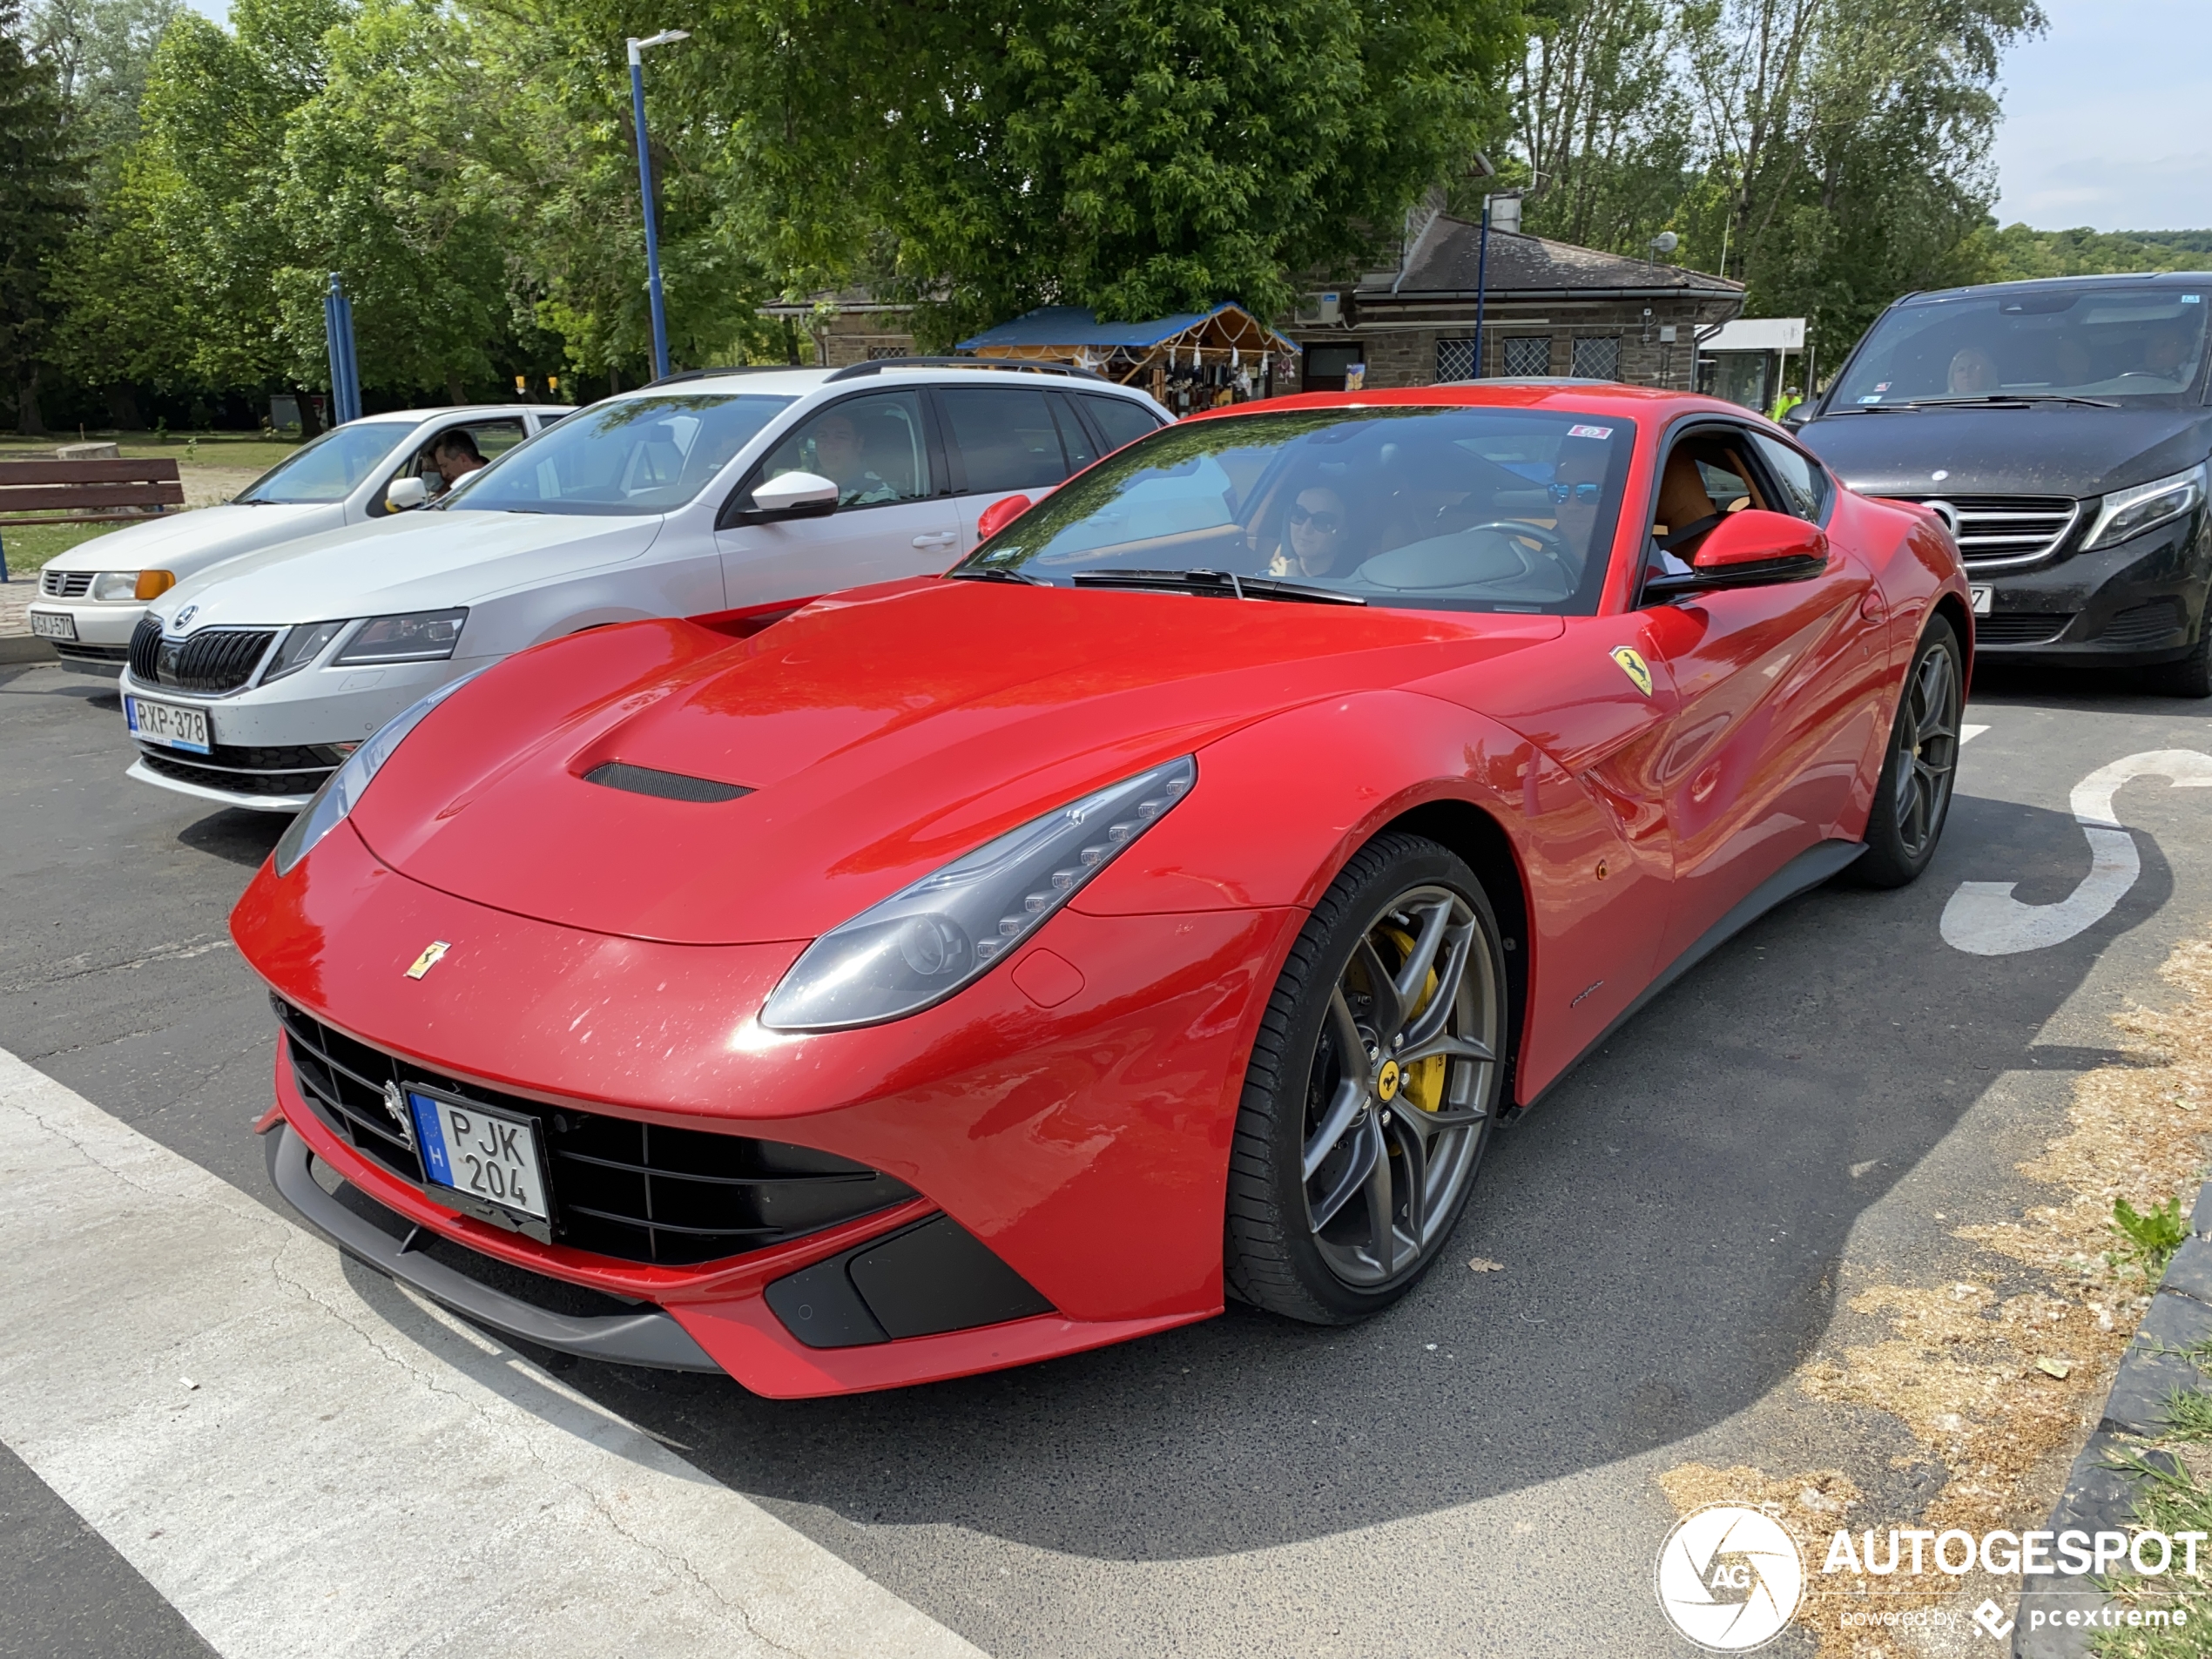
x: 1552, y: 309
x: 849, y: 325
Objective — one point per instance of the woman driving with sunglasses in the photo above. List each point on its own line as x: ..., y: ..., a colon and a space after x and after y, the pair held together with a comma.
x: 1317, y: 535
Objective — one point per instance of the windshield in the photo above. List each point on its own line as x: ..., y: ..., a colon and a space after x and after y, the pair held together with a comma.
x: 634, y: 454
x: 2105, y: 342
x: 1459, y: 509
x: 327, y: 468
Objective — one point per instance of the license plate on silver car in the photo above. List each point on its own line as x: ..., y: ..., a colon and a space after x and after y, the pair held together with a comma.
x: 485, y: 1155
x: 1980, y: 596
x: 170, y: 724
x: 53, y: 624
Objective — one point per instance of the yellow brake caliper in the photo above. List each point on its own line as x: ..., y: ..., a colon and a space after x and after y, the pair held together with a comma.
x: 1424, y: 1079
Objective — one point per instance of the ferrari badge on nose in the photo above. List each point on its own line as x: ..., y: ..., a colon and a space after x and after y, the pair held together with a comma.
x: 433, y: 954
x: 1632, y: 664
x: 395, y: 1103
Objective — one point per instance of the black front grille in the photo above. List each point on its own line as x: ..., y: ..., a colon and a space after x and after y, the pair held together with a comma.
x: 2021, y: 628
x: 80, y: 652
x: 2004, y: 529
x: 216, y: 771
x: 639, y: 1192
x: 67, y: 584
x: 2145, y: 624
x: 210, y: 662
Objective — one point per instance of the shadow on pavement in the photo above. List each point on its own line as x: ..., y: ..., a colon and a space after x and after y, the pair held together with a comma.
x: 235, y: 836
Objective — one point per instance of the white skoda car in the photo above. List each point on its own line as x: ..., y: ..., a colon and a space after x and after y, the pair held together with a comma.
x: 91, y: 598
x: 728, y: 496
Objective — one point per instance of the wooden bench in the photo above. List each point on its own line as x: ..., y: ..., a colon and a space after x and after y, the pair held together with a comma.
x: 86, y: 492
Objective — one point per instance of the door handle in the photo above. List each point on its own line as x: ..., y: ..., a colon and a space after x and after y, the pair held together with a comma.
x: 940, y: 538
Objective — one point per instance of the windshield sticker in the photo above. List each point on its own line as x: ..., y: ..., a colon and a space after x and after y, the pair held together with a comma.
x: 1881, y: 386
x: 1872, y: 397
x: 1590, y: 432
x: 2192, y: 298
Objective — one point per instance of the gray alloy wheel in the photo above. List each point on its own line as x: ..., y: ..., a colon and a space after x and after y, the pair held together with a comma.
x: 1373, y: 1089
x: 1913, y: 797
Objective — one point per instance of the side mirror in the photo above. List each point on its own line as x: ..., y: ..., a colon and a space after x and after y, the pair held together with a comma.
x: 403, y: 493
x: 796, y: 495
x: 998, y: 515
x: 1751, y: 548
x: 1796, y: 414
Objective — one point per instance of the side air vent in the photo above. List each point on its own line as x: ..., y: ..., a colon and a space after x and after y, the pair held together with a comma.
x: 668, y: 786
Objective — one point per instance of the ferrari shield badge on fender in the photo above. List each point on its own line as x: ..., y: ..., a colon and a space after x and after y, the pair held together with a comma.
x: 1632, y: 664
x: 433, y: 954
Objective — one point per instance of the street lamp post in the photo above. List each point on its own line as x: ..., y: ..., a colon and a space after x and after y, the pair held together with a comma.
x: 645, y: 189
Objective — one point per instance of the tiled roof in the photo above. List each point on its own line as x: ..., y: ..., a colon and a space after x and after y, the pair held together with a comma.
x: 1444, y: 257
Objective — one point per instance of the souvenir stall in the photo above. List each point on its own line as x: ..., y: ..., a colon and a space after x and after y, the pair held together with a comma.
x: 1198, y: 360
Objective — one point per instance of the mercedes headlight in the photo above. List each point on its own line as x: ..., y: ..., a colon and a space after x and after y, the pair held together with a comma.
x: 927, y: 941
x: 2130, y: 512
x: 425, y: 637
x: 302, y: 646
x: 342, y: 789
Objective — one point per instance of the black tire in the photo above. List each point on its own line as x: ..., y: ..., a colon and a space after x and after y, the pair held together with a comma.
x: 2191, y: 676
x: 1912, y: 798
x: 1406, y: 913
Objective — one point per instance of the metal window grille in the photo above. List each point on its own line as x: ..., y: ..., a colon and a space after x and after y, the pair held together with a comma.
x: 1598, y: 359
x: 1528, y: 354
x: 1455, y: 361
x: 883, y: 353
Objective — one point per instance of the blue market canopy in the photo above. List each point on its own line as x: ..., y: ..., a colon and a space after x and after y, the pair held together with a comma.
x: 1074, y: 334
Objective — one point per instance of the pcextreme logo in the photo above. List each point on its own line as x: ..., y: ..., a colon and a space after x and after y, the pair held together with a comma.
x: 1730, y: 1578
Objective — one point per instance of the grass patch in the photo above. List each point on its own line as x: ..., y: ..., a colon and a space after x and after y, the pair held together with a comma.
x: 207, y: 449
x: 29, y: 548
x: 2171, y: 1504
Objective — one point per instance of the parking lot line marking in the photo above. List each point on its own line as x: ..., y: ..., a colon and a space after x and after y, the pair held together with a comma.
x: 1968, y: 733
x: 348, y: 1471
x: 1983, y: 919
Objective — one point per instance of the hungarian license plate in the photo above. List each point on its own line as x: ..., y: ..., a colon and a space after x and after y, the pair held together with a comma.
x: 167, y: 724
x: 485, y: 1155
x: 1980, y: 596
x: 53, y: 624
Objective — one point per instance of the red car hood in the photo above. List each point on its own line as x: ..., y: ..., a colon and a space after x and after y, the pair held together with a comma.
x: 882, y: 733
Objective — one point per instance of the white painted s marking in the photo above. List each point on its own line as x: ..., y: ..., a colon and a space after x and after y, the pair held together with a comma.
x: 1983, y: 919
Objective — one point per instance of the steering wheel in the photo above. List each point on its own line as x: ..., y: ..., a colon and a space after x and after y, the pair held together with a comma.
x: 1520, y: 529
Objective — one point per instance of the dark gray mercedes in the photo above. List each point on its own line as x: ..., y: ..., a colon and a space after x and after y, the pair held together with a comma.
x: 2061, y: 428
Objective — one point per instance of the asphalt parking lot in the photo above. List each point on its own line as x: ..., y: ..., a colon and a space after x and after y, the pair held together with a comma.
x: 1473, y: 1472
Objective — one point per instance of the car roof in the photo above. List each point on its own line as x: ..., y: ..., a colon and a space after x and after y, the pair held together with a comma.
x: 784, y: 381
x: 2061, y: 284
x: 1564, y: 395
x: 473, y: 411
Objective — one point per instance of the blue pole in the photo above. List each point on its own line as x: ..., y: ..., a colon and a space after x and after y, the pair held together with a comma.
x: 652, y: 230
x: 1482, y: 276
x: 353, y: 360
x: 345, y: 365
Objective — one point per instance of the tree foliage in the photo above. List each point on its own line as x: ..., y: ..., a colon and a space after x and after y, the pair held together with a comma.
x: 41, y: 172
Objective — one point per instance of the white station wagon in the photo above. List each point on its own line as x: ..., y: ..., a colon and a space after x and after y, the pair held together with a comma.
x: 91, y: 598
x: 722, y: 495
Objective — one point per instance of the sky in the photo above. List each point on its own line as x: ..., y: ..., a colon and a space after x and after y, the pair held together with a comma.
x: 2104, y: 119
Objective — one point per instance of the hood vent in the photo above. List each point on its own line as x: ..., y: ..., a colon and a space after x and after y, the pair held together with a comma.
x: 668, y: 786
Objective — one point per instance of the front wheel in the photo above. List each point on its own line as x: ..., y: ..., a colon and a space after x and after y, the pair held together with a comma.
x: 2192, y: 675
x: 1913, y: 797
x: 1372, y: 1090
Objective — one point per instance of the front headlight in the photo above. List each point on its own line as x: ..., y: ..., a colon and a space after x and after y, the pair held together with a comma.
x: 2130, y: 512
x: 302, y: 646
x: 116, y: 585
x: 426, y: 636
x: 927, y: 941
x: 342, y: 789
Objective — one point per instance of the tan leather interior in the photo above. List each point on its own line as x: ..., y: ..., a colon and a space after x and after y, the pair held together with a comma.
x: 1682, y: 499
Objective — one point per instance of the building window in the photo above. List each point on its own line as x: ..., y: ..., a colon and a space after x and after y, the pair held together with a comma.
x: 1528, y: 354
x: 1598, y: 359
x: 1455, y: 360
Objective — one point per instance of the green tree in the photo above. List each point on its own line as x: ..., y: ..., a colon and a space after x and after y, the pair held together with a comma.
x: 41, y: 187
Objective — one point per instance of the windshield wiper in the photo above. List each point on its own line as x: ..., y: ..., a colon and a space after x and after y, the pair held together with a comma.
x: 999, y: 573
x: 1217, y: 583
x: 2000, y: 400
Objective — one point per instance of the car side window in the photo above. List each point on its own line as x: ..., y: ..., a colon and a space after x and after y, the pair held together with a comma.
x: 875, y: 449
x: 1121, y: 419
x: 1803, y: 483
x: 1074, y: 438
x: 1706, y: 477
x: 451, y: 453
x: 1006, y: 436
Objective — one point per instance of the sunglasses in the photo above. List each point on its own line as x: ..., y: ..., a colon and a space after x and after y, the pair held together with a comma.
x: 1323, y: 523
x: 1586, y: 494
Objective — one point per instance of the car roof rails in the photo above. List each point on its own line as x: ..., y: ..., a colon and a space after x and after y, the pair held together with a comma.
x: 1005, y: 365
x: 737, y: 369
